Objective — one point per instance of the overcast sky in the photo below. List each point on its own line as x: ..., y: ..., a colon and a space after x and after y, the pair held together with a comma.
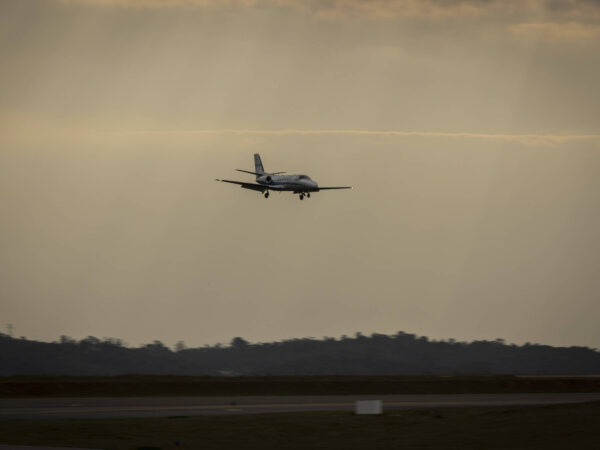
x: 469, y: 129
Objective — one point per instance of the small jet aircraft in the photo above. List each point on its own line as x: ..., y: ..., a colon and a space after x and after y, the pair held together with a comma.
x: 274, y: 181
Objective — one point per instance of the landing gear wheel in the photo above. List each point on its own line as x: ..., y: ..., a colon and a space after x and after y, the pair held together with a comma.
x: 266, y: 195
x: 308, y: 194
x: 301, y: 196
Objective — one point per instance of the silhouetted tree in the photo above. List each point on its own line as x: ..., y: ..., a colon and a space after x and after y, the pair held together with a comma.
x: 401, y: 353
x: 238, y: 343
x: 67, y: 340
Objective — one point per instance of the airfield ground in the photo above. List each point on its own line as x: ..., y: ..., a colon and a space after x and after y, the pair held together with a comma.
x: 561, y: 426
x: 574, y: 426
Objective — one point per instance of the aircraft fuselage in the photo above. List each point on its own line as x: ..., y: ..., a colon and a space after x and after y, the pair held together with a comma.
x: 295, y: 183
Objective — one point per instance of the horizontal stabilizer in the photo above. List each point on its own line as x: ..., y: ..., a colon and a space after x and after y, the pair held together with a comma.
x: 259, y: 174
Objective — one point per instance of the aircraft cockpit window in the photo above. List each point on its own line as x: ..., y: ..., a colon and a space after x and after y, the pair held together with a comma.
x: 304, y: 177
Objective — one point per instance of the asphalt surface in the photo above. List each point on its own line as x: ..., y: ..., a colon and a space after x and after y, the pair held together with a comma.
x: 105, y: 407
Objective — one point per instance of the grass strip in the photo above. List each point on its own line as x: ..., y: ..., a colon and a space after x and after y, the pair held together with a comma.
x: 156, y: 385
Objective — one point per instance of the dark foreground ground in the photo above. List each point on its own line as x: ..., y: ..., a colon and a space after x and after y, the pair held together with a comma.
x: 575, y: 426
x: 165, y: 386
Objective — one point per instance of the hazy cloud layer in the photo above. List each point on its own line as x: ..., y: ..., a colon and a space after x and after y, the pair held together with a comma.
x: 569, y: 21
x: 530, y: 139
x: 382, y: 9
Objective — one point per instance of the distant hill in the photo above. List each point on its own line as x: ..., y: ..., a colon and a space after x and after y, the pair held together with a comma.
x: 377, y: 354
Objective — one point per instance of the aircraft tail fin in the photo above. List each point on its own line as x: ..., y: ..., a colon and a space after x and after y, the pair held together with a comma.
x: 258, y: 167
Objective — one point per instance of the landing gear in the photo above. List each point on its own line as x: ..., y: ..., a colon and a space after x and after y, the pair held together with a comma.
x: 301, y: 196
x: 308, y: 194
x: 267, y: 194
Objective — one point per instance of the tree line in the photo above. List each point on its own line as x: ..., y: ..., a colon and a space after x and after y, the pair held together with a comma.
x: 377, y: 354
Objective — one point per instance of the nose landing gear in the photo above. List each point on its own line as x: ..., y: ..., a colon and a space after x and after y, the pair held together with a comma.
x: 267, y: 194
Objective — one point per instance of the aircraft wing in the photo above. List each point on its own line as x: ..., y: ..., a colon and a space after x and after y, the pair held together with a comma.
x: 253, y: 186
x: 334, y: 187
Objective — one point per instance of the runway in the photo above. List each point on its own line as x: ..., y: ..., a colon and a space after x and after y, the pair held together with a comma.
x: 127, y: 407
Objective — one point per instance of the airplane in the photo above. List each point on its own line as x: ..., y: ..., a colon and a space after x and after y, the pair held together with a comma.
x: 274, y: 181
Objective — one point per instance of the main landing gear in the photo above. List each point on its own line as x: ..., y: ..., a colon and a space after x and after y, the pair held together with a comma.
x: 303, y: 194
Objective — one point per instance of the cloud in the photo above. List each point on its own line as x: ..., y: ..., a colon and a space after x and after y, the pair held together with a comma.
x: 564, y: 20
x: 393, y: 9
x: 569, y: 32
x: 372, y: 9
x: 169, y: 3
x: 17, y: 127
x: 379, y: 9
x: 528, y: 139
